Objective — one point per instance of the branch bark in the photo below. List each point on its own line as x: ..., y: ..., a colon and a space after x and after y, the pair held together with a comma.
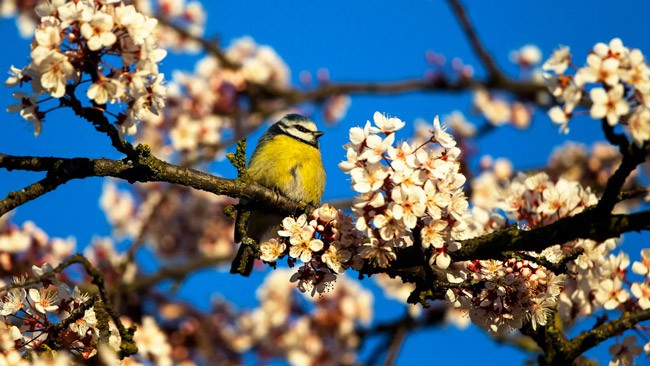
x: 146, y: 168
x: 589, y: 339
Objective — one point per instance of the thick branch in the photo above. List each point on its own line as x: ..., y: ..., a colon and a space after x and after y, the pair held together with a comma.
x: 589, y: 224
x: 523, y: 89
x: 147, y: 168
x: 590, y: 339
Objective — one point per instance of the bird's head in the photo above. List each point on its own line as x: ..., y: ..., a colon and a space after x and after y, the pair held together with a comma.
x: 298, y: 127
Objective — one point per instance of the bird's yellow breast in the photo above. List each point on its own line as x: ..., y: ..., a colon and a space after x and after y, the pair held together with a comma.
x: 290, y: 166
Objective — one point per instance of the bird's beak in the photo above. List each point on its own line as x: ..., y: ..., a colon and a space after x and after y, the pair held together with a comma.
x: 318, y: 134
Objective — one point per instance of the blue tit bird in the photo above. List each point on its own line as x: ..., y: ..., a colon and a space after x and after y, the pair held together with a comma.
x: 286, y: 159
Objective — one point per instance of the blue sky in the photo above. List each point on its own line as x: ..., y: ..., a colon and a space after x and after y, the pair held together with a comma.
x: 356, y: 41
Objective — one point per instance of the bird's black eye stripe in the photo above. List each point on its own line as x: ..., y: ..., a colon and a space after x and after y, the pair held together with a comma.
x: 301, y: 129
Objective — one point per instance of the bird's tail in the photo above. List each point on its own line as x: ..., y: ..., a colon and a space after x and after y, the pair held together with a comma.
x: 261, y: 227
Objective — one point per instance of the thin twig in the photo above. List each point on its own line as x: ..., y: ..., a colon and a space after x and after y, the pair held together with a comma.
x: 127, y: 346
x: 395, y: 345
x: 31, y: 192
x: 98, y: 119
x: 176, y: 273
x: 493, y: 71
x: 210, y: 47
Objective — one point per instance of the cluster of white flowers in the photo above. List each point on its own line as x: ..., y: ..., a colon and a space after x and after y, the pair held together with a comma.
x: 189, y: 15
x: 120, y: 209
x: 22, y: 246
x: 574, y: 162
x: 115, y: 266
x: 323, y: 332
x: 616, y: 81
x: 536, y: 200
x: 599, y: 277
x: 514, y: 292
x: 500, y: 111
x: 76, y: 39
x: 152, y: 342
x: 198, y: 118
x: 260, y: 64
x: 527, y: 56
x: 590, y: 166
x: 31, y: 311
x: 405, y: 191
x: 176, y: 222
x: 327, y: 245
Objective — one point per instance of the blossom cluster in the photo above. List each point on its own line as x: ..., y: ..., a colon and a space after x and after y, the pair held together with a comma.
x: 48, y: 308
x: 175, y: 222
x: 591, y: 166
x: 407, y: 194
x: 28, y: 314
x: 323, y: 332
x: 326, y: 246
x: 499, y: 111
x: 514, y: 292
x: 31, y: 312
x: 190, y: 16
x: 74, y: 44
x: 198, y: 118
x: 535, y: 200
x: 26, y: 245
x: 405, y: 199
x: 599, y: 275
x: 615, y: 82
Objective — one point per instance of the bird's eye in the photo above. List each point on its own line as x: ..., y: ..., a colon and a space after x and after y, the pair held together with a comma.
x: 301, y: 129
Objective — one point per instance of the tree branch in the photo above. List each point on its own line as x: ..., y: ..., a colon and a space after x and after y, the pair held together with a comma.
x: 96, y: 116
x: 33, y: 191
x: 589, y: 339
x: 633, y: 155
x: 177, y: 273
x: 397, y: 340
x: 146, y: 168
x: 493, y: 71
x: 523, y: 89
x: 209, y: 46
x: 589, y: 224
